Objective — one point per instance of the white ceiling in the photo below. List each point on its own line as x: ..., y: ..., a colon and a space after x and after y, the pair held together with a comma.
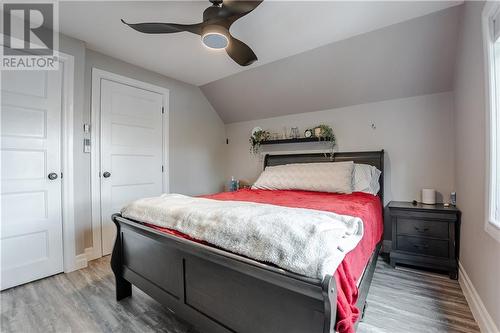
x: 275, y: 30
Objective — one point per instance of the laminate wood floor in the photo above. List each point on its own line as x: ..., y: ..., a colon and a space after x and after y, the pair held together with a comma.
x: 408, y: 300
x: 83, y: 301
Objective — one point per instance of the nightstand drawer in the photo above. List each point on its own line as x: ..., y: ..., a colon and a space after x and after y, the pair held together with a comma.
x: 418, y: 214
x: 418, y: 245
x: 425, y: 228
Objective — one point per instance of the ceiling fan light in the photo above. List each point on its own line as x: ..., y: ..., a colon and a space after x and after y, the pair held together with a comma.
x: 215, y: 40
x: 215, y: 37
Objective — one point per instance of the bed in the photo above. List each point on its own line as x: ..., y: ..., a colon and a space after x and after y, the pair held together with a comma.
x: 219, y: 291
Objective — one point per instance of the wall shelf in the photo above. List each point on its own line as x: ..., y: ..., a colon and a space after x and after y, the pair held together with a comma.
x: 298, y: 140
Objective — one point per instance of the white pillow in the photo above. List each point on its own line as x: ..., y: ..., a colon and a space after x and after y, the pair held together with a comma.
x: 333, y: 177
x: 365, y: 179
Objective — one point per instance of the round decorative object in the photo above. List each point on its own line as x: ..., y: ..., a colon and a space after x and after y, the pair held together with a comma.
x: 308, y: 133
x: 256, y: 129
x: 215, y: 37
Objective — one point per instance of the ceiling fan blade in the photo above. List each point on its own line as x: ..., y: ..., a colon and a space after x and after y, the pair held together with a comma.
x: 240, y: 52
x: 165, y: 28
x: 236, y: 7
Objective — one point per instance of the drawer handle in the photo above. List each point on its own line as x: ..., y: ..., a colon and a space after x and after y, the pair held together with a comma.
x: 426, y: 246
x: 422, y: 230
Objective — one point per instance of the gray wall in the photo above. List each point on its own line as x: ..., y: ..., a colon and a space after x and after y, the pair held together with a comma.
x: 479, y: 252
x: 416, y: 133
x: 196, y: 133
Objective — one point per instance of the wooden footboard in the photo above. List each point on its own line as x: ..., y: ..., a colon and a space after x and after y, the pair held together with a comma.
x: 217, y: 291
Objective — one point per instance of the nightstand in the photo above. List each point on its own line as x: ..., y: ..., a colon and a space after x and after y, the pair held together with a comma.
x: 425, y: 236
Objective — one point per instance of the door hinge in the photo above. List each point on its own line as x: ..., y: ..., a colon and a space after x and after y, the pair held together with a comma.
x: 162, y: 110
x: 162, y: 168
x: 61, y: 175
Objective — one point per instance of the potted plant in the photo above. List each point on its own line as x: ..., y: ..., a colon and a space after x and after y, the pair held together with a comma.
x: 325, y: 133
x: 258, y: 135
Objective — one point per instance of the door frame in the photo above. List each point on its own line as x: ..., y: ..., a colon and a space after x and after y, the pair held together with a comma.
x: 67, y: 160
x: 67, y: 61
x: 95, y: 152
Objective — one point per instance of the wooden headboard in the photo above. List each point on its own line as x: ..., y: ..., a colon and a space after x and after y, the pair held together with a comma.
x: 375, y: 158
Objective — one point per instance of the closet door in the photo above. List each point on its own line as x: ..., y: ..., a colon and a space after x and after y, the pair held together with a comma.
x: 31, y: 227
x: 131, y: 150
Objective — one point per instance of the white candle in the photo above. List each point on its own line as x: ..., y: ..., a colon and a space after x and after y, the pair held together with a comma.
x: 428, y: 196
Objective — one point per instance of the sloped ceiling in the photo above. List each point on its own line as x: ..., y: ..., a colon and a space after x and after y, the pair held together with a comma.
x: 411, y: 58
x: 274, y: 30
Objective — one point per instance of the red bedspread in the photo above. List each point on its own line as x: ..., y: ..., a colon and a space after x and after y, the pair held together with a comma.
x: 365, y: 206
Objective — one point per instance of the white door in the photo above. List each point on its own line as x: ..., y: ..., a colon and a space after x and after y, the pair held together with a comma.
x: 31, y: 227
x: 131, y: 150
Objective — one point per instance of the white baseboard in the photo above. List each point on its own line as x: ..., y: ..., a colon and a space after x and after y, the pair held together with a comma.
x: 81, y: 261
x: 483, y: 318
x: 92, y: 254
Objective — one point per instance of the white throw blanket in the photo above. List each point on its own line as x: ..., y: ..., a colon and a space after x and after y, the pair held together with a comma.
x: 304, y: 241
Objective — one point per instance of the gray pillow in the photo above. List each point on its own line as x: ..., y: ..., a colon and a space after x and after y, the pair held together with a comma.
x: 365, y: 179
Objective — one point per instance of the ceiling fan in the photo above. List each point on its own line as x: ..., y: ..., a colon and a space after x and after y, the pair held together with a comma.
x: 214, y: 30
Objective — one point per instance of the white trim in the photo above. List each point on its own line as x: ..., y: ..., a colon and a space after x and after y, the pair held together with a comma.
x: 68, y: 189
x: 95, y: 166
x: 94, y: 252
x: 89, y: 252
x: 95, y: 154
x: 166, y: 147
x: 490, y: 9
x: 81, y: 261
x: 476, y: 305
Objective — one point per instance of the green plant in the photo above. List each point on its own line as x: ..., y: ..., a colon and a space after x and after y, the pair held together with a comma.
x: 326, y: 134
x: 256, y: 139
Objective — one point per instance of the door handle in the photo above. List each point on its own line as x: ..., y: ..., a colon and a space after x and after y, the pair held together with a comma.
x: 106, y: 174
x: 52, y: 176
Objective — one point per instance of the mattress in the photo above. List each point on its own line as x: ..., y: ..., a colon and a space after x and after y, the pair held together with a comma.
x: 362, y: 205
